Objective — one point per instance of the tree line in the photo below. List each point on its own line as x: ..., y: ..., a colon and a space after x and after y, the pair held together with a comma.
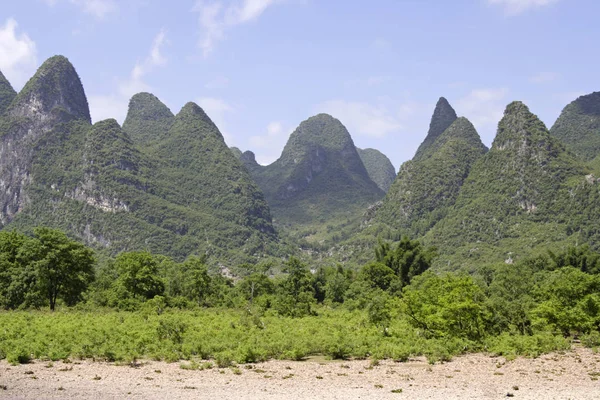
x: 555, y: 291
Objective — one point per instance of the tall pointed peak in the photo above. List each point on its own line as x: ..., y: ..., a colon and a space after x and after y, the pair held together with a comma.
x: 55, y: 88
x: 322, y: 130
x: 147, y: 119
x: 7, y: 93
x: 193, y: 110
x: 520, y: 127
x: 443, y: 116
x: 192, y: 120
x: 147, y: 106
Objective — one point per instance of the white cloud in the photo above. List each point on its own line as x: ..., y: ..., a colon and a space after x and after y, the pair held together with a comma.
x: 362, y: 118
x: 216, y: 17
x: 18, y: 54
x: 269, y: 145
x: 484, y: 108
x: 274, y: 128
x: 544, y: 77
x: 516, y: 7
x: 114, y: 105
x: 96, y: 8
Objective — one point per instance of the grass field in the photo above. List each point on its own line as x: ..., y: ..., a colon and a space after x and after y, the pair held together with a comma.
x: 229, y: 336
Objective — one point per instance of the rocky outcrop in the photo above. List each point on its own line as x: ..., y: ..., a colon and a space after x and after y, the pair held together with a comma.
x: 53, y: 96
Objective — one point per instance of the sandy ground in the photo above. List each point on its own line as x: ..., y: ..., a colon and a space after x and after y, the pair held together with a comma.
x: 571, y: 375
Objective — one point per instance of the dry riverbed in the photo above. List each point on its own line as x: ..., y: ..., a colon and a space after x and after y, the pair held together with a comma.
x: 569, y: 375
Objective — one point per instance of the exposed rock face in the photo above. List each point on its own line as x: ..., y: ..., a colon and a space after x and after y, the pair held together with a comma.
x: 54, y: 95
x: 177, y: 189
x: 426, y: 187
x: 443, y: 116
x: 148, y: 119
x: 379, y: 167
x: 578, y: 126
x: 7, y: 93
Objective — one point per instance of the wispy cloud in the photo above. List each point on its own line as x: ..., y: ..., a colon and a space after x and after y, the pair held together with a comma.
x: 544, y: 77
x: 96, y: 8
x: 115, y: 105
x: 362, y: 118
x: 484, y: 108
x: 18, y: 54
x: 516, y: 7
x: 217, y: 17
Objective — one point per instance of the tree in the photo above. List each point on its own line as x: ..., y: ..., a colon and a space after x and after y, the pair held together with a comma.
x: 378, y: 275
x: 296, y: 294
x: 408, y: 259
x: 449, y: 305
x: 139, y: 275
x: 569, y: 300
x: 63, y: 268
x: 18, y: 283
x: 581, y: 257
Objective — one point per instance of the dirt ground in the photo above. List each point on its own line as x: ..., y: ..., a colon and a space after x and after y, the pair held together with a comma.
x: 571, y: 375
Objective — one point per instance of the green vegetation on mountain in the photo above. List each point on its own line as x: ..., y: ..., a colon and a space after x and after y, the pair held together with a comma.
x: 148, y: 119
x: 7, y: 93
x: 379, y: 167
x: 236, y: 152
x: 578, y: 126
x: 527, y: 192
x: 426, y: 187
x: 595, y: 166
x: 55, y: 90
x: 319, y: 183
x: 443, y: 116
x: 177, y: 189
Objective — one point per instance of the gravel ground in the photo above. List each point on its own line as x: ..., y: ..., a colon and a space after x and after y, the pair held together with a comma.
x: 570, y: 375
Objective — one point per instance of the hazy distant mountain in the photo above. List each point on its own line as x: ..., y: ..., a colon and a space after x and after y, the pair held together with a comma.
x: 319, y: 176
x: 578, y: 126
x: 379, y: 167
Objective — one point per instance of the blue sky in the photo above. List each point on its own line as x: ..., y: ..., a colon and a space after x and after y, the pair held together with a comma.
x: 260, y: 67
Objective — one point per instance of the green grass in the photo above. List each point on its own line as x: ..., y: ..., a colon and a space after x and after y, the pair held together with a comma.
x: 224, y: 336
